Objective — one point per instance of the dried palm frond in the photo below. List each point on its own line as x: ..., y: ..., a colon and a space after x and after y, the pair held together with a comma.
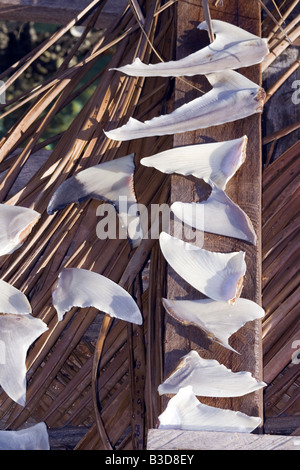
x: 62, y: 386
x: 280, y: 255
x: 280, y: 228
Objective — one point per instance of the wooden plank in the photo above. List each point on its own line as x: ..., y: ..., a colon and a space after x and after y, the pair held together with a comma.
x: 172, y: 439
x: 66, y: 438
x: 57, y: 12
x: 244, y: 189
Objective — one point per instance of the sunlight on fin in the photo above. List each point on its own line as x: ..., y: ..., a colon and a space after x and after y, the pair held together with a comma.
x: 82, y: 288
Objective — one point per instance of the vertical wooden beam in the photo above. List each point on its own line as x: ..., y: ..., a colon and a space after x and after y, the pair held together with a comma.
x: 244, y: 189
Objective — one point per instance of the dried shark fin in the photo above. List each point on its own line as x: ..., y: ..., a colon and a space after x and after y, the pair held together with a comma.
x: 184, y: 411
x: 16, y: 223
x: 208, y: 378
x: 214, y: 162
x: 232, y: 48
x: 82, y: 288
x: 232, y: 97
x: 111, y: 181
x: 219, y: 320
x: 12, y: 300
x: 217, y: 214
x: 219, y: 276
x: 32, y: 438
x: 17, y: 333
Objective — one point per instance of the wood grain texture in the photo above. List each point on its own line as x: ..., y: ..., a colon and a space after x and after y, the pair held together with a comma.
x: 199, y: 440
x: 244, y: 189
x: 57, y: 12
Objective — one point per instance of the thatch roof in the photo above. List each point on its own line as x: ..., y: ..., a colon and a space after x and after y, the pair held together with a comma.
x: 92, y: 380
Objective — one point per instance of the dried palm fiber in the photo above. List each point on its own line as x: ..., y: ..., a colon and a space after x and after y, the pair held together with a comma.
x: 280, y: 226
x: 281, y: 29
x: 280, y: 45
x: 281, y: 292
x: 60, y: 364
x: 281, y: 10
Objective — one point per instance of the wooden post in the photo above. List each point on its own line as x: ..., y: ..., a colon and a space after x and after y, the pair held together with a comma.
x: 244, y: 189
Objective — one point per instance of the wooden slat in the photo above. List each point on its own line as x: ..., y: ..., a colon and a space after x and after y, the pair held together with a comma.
x: 57, y: 12
x: 200, y: 440
x: 244, y: 189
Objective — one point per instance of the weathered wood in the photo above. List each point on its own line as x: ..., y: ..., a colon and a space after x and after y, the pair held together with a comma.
x: 172, y: 439
x: 288, y: 425
x: 57, y: 12
x: 65, y: 438
x: 244, y: 189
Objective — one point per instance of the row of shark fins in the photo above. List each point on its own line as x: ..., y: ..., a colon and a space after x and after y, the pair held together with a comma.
x: 219, y: 276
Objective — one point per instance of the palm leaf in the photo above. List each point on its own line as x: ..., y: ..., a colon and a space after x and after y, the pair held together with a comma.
x: 60, y: 366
